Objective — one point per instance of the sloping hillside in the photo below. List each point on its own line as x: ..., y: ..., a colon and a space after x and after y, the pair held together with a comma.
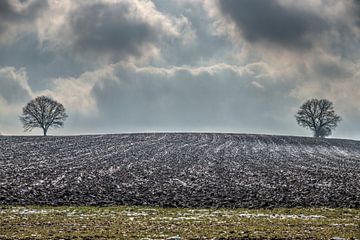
x: 180, y: 169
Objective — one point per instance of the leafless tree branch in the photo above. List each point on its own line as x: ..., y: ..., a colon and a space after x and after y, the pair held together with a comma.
x: 43, y: 112
x: 319, y: 116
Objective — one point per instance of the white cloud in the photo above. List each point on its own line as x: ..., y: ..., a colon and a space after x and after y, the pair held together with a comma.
x: 76, y: 93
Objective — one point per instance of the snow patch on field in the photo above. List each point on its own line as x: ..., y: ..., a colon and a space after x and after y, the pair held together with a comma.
x: 187, y: 215
x: 180, y: 170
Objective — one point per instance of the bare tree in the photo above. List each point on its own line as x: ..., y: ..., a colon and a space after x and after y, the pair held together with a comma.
x: 319, y: 116
x: 43, y: 112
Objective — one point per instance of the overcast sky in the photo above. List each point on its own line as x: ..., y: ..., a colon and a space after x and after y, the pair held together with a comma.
x: 241, y: 66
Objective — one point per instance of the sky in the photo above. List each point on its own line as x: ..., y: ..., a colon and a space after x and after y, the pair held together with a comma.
x: 124, y: 66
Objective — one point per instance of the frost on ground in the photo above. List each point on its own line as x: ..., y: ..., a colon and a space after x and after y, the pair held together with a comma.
x: 180, y: 170
x: 129, y: 222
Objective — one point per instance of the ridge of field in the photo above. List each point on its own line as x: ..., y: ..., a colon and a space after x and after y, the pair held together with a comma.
x: 181, y: 170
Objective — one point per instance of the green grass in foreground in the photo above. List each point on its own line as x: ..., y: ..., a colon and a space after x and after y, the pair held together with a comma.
x: 125, y: 222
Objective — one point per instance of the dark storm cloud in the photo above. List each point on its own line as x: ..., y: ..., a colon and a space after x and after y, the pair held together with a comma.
x: 107, y: 28
x: 269, y: 21
x: 6, y: 10
x: 11, y: 16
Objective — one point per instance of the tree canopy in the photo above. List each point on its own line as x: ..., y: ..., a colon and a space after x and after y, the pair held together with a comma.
x: 43, y: 112
x: 319, y: 116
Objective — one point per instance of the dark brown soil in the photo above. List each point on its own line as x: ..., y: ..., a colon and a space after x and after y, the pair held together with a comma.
x: 180, y: 170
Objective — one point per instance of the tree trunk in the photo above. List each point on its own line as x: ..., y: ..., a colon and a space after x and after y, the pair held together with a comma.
x: 45, y: 131
x: 319, y: 134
